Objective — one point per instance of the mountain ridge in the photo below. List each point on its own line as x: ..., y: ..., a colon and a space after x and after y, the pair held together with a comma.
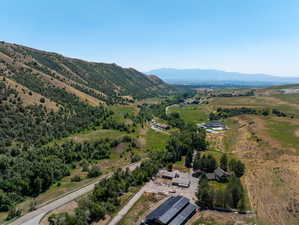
x: 93, y: 82
x: 173, y: 75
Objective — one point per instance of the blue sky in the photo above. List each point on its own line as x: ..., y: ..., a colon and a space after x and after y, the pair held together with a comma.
x: 250, y: 36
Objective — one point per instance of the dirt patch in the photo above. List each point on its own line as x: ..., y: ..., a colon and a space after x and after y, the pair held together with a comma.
x: 216, y: 141
x: 120, y: 148
x: 33, y: 98
x: 143, y: 131
x: 163, y: 181
x: 297, y: 133
x: 141, y: 142
x: 221, y: 217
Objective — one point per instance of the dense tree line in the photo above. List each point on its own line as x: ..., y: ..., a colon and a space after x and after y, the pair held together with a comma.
x: 223, y: 113
x: 248, y: 93
x: 31, y: 171
x: 205, y: 163
x: 105, y: 197
x: 233, y: 196
x: 279, y: 113
x: 184, y: 142
x: 208, y: 164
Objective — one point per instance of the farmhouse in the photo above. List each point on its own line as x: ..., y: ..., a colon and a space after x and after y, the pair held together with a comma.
x: 167, y: 174
x: 182, y: 181
x: 174, y: 211
x: 218, y: 175
x: 177, y: 178
x: 213, y: 125
x: 162, y: 126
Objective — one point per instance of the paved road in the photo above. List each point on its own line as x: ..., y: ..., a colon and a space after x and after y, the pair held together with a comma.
x: 167, y: 108
x: 127, y: 207
x: 34, y: 217
x: 153, y: 187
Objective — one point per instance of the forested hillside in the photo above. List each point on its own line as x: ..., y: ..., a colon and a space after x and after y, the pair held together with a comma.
x: 44, y: 97
x: 92, y: 82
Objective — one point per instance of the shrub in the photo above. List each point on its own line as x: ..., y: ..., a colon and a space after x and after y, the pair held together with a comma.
x: 94, y: 172
x: 42, y: 100
x: 76, y: 178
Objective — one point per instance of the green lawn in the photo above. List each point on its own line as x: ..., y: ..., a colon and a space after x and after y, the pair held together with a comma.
x: 284, y: 132
x: 191, y: 113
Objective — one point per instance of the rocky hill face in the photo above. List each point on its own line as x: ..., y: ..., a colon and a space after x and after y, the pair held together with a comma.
x: 95, y: 83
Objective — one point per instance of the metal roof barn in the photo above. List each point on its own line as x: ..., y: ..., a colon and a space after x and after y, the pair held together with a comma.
x: 174, y: 211
x: 186, y: 214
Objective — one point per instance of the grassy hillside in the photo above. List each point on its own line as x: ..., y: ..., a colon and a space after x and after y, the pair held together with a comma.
x: 91, y: 82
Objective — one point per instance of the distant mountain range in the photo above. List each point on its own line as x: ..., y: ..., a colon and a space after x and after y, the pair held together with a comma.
x: 197, y: 76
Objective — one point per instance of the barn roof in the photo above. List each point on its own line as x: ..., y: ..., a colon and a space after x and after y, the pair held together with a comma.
x: 184, y: 215
x: 174, y: 210
x: 210, y: 176
x: 163, y: 208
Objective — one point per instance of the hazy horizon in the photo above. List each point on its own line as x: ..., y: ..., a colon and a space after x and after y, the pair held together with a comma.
x: 234, y: 36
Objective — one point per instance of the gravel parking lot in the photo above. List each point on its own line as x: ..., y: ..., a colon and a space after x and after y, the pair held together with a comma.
x: 172, y: 190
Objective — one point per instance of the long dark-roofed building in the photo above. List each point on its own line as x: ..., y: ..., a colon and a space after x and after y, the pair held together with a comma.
x: 174, y: 211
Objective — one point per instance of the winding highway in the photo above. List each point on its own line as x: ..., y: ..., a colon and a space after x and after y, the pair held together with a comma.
x: 34, y: 217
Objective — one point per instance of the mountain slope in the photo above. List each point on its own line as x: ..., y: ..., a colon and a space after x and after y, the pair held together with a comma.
x: 200, y: 75
x: 94, y: 83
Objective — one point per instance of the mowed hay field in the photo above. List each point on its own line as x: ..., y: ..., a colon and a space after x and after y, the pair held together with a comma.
x: 269, y: 146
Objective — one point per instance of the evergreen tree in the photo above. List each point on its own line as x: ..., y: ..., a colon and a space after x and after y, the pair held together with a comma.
x: 223, y: 162
x: 239, y: 169
x: 189, y: 158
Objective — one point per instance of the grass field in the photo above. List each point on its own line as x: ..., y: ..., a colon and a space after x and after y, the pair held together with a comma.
x: 156, y: 141
x: 207, y: 221
x: 286, y: 132
x: 97, y: 135
x: 121, y: 110
x: 191, y: 113
x: 229, y: 139
x: 242, y: 101
x: 291, y: 98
